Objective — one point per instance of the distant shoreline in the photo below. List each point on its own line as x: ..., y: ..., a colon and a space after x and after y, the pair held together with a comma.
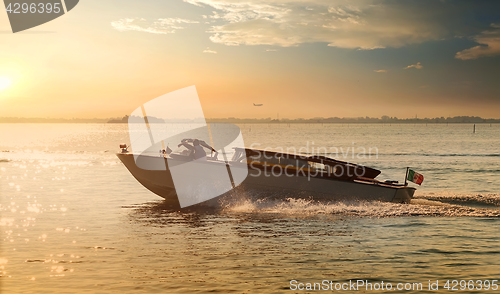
x: 331, y: 120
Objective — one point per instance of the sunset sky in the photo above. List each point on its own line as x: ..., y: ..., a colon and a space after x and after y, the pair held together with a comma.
x: 316, y: 58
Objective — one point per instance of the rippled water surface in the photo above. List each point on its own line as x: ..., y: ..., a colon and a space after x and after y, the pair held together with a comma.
x: 73, y: 220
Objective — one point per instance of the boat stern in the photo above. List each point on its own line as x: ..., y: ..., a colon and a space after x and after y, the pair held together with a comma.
x: 404, y: 195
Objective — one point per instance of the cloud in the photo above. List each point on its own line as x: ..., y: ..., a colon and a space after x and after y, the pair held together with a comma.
x: 368, y: 24
x: 160, y: 26
x: 489, y: 45
x: 381, y: 70
x: 417, y: 66
x: 209, y: 51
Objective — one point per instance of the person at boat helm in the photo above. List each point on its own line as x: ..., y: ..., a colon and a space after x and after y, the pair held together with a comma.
x: 198, y: 152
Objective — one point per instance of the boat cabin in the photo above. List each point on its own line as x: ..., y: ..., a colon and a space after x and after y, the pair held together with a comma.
x: 314, y: 165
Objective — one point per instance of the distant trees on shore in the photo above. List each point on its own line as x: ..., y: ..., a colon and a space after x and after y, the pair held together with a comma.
x: 366, y: 119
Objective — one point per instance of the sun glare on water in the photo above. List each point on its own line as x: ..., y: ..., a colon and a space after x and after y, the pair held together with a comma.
x: 5, y: 83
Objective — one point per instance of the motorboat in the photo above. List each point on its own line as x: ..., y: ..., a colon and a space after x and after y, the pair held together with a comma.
x: 170, y: 174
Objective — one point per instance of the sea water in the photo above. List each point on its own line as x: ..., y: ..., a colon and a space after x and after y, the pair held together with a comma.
x: 73, y: 220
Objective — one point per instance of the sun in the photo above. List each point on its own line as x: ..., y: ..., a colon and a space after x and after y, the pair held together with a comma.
x: 5, y: 83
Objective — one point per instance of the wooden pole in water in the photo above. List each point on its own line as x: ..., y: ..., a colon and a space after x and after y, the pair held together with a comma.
x: 474, y: 130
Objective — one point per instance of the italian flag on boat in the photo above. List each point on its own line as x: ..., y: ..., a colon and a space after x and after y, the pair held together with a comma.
x: 415, y: 177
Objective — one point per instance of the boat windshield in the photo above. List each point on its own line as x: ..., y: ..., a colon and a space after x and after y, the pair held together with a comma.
x: 182, y: 151
x: 185, y: 153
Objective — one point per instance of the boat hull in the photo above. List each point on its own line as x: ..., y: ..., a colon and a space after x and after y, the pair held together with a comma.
x: 268, y: 185
x: 326, y: 189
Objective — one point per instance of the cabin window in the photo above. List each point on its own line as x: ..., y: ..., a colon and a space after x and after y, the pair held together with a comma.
x: 318, y: 166
x: 272, y: 159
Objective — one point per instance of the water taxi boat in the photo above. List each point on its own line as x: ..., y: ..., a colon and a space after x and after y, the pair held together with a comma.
x: 268, y: 173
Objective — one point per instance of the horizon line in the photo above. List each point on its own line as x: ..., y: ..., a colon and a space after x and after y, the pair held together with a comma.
x: 365, y: 119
